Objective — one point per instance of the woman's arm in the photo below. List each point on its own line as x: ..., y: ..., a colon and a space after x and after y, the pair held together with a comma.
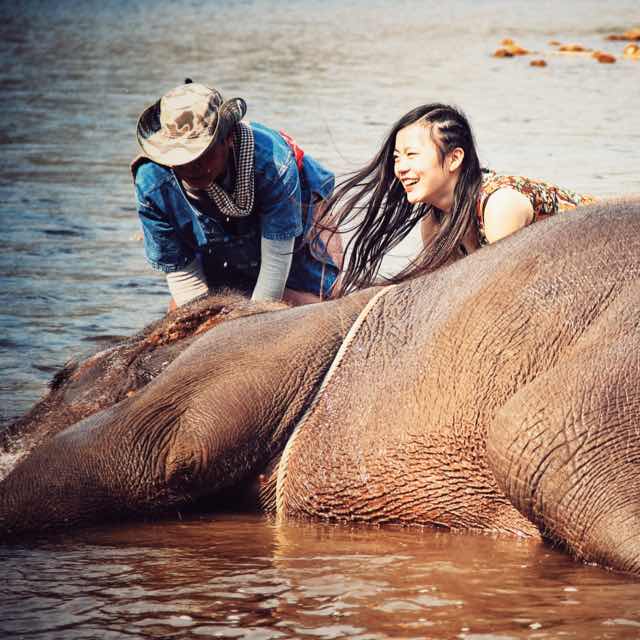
x: 506, y: 211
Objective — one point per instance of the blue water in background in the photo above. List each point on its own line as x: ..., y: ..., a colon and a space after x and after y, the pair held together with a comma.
x: 75, y: 76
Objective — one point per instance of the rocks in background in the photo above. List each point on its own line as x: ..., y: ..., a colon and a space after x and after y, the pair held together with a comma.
x: 510, y: 49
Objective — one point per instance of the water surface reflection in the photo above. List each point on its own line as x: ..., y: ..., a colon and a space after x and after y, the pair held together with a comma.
x: 244, y: 576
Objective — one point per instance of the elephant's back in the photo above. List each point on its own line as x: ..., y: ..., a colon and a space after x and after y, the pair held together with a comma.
x: 399, y: 433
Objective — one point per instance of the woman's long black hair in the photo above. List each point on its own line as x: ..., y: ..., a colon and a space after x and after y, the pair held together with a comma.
x: 372, y: 202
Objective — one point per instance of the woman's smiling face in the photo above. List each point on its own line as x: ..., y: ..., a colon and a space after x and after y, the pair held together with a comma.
x: 426, y: 177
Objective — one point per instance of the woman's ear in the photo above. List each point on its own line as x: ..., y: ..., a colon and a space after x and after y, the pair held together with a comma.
x: 456, y: 156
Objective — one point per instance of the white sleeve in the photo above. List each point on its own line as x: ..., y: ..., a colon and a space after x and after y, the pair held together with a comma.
x: 275, y: 264
x: 187, y: 284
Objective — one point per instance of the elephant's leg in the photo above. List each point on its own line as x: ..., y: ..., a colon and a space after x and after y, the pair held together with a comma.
x: 566, y: 450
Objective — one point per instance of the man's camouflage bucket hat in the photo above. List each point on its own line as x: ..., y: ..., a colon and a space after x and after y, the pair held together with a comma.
x: 185, y: 122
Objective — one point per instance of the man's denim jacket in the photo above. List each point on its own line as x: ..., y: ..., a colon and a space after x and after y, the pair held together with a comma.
x: 175, y: 232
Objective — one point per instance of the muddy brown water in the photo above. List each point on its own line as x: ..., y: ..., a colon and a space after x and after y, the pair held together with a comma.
x: 72, y: 275
x: 248, y: 577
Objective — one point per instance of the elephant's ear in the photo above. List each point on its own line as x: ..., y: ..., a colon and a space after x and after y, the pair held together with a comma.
x: 566, y: 451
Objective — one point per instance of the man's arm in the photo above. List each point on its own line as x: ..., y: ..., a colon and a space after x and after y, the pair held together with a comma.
x: 188, y: 283
x: 275, y: 265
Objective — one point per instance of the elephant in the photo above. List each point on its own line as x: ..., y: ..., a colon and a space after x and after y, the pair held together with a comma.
x: 499, y: 394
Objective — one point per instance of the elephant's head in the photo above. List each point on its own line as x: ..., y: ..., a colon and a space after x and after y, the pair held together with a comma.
x: 214, y: 417
x: 81, y: 389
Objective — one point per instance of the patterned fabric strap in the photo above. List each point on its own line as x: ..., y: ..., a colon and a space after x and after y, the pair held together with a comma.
x: 240, y: 203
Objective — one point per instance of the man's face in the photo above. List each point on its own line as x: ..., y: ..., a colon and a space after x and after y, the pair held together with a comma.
x: 200, y: 173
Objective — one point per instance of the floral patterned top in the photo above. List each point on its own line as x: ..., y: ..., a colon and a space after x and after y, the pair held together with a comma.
x: 546, y: 199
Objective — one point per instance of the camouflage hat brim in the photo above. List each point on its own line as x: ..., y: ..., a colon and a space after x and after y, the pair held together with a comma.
x: 158, y: 144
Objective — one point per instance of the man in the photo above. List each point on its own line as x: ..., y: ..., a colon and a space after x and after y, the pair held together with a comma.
x: 226, y: 203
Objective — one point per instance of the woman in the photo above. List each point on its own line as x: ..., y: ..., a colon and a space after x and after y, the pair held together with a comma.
x: 428, y: 171
x: 225, y: 203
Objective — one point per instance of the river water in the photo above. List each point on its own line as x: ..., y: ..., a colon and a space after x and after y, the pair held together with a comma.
x: 335, y: 75
x: 244, y: 577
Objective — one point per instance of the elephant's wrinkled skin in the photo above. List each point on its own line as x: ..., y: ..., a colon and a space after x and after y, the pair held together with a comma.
x: 498, y: 394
